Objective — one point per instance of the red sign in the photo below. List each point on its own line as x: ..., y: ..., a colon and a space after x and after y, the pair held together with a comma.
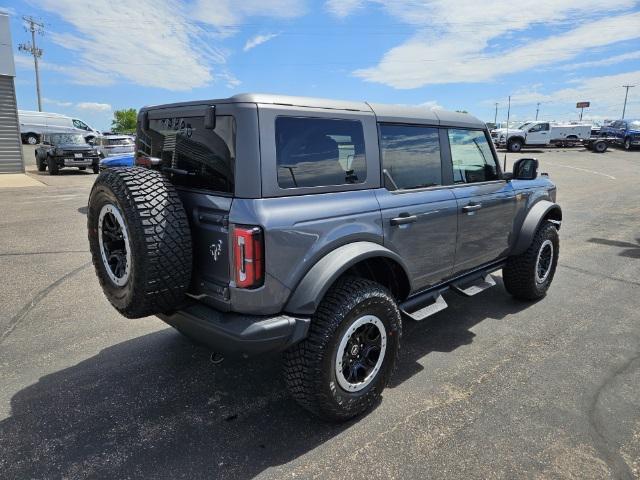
x: 583, y: 104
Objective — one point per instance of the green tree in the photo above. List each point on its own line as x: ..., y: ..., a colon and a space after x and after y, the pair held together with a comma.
x: 124, y: 121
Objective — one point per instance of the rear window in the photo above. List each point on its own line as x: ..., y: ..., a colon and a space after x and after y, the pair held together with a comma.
x: 201, y: 158
x: 119, y: 141
x: 314, y: 152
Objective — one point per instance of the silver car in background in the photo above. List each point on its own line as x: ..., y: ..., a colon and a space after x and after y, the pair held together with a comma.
x: 109, y: 145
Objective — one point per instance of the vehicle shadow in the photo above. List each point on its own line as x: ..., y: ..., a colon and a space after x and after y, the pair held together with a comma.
x: 156, y: 407
x: 62, y: 172
x: 632, y: 250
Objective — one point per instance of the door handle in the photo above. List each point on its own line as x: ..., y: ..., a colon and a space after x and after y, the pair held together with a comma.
x: 472, y: 207
x: 404, y: 219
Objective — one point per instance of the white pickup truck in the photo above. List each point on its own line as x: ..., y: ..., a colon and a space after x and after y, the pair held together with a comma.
x: 537, y: 134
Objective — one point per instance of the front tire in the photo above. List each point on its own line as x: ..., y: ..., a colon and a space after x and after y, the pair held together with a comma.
x: 627, y: 144
x: 528, y: 276
x: 53, y: 166
x: 350, y: 354
x: 40, y: 164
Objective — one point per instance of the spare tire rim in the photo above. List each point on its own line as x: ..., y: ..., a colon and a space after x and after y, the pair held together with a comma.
x: 114, y: 244
x: 544, y: 261
x: 361, y: 353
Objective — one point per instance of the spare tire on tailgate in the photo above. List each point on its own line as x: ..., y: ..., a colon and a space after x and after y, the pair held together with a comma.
x: 140, y: 241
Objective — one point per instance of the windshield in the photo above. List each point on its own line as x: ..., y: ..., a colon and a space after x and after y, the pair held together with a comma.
x: 67, y: 138
x: 521, y: 127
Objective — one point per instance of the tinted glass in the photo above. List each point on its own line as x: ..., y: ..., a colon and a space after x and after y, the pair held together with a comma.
x: 471, y: 156
x: 67, y: 138
x: 313, y: 152
x: 205, y: 158
x: 411, y: 155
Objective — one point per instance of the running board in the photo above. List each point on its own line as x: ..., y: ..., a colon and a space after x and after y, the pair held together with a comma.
x: 477, y: 286
x: 433, y: 308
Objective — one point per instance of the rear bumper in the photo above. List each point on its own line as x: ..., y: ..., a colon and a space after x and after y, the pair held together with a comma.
x: 237, y: 334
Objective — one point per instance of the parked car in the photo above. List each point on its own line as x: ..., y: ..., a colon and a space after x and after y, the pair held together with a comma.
x: 120, y: 160
x: 537, y: 134
x: 34, y: 124
x: 311, y: 227
x: 114, y: 145
x: 625, y: 132
x: 60, y: 150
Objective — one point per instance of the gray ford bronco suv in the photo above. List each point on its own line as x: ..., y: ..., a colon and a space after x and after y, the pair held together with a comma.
x: 264, y: 223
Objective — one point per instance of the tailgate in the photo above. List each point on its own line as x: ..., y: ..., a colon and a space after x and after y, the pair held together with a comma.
x: 209, y: 219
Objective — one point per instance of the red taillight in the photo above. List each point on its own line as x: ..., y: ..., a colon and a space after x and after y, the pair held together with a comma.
x: 248, y: 256
x: 145, y: 161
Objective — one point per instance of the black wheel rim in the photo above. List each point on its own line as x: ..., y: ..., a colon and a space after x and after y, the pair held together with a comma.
x: 114, y: 244
x: 544, y: 261
x: 361, y: 353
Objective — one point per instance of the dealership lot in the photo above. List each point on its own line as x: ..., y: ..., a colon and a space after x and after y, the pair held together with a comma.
x: 489, y: 388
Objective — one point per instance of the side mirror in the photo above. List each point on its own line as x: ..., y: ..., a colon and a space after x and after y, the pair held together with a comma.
x: 525, y: 169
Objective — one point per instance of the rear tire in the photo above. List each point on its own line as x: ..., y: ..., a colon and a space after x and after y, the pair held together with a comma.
x: 627, y: 144
x: 53, y: 166
x: 31, y: 139
x: 140, y: 241
x: 514, y: 145
x: 528, y: 276
x: 357, y: 325
x: 600, y: 146
x: 40, y: 164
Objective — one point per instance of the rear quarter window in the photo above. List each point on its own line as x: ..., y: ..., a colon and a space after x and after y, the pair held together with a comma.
x: 314, y: 152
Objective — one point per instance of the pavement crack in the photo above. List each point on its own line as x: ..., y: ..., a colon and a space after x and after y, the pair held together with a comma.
x: 41, y: 295
x: 610, y: 454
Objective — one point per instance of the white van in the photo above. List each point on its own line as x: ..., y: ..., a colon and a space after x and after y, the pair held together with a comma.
x: 34, y: 124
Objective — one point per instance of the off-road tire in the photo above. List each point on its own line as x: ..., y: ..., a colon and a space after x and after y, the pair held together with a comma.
x: 514, y: 145
x: 309, y: 366
x: 53, y: 166
x: 600, y: 146
x: 40, y: 164
x: 159, y: 240
x: 519, y: 275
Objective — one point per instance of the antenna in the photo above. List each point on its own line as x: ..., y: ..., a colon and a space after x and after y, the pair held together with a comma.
x: 32, y: 49
x: 506, y: 138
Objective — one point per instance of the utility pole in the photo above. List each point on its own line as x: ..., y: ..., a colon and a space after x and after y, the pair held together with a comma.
x: 537, y: 110
x: 33, y: 49
x: 495, y: 117
x: 626, y: 94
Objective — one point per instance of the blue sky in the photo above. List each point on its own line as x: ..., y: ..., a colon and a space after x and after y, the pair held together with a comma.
x: 102, y: 55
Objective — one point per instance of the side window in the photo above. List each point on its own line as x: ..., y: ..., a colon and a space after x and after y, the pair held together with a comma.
x: 411, y: 155
x: 544, y: 127
x: 471, y: 156
x: 313, y: 152
x: 540, y: 127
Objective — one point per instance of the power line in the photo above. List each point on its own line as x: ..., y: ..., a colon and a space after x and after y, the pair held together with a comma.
x: 33, y: 49
x: 626, y: 94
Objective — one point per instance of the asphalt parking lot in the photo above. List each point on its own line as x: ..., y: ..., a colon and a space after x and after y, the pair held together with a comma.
x: 489, y: 388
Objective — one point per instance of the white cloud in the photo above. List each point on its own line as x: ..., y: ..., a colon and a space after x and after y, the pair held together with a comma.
x: 57, y: 103
x: 603, y: 62
x: 604, y: 92
x: 94, y: 107
x: 172, y: 46
x: 448, y: 47
x: 258, y: 40
x: 431, y: 105
x: 8, y: 10
x: 343, y: 8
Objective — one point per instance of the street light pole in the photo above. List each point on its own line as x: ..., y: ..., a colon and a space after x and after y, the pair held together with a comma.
x: 626, y: 94
x: 495, y: 117
x: 537, y: 110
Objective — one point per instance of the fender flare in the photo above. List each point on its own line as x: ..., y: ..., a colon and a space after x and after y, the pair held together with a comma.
x: 531, y: 223
x: 309, y: 293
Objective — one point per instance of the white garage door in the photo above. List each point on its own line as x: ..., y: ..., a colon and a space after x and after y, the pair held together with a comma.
x: 10, y: 149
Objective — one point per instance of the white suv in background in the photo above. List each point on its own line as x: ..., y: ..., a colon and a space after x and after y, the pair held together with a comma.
x: 109, y: 145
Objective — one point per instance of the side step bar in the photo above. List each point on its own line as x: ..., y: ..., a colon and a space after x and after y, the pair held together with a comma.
x: 438, y: 305
x: 469, y: 289
x: 429, y: 303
